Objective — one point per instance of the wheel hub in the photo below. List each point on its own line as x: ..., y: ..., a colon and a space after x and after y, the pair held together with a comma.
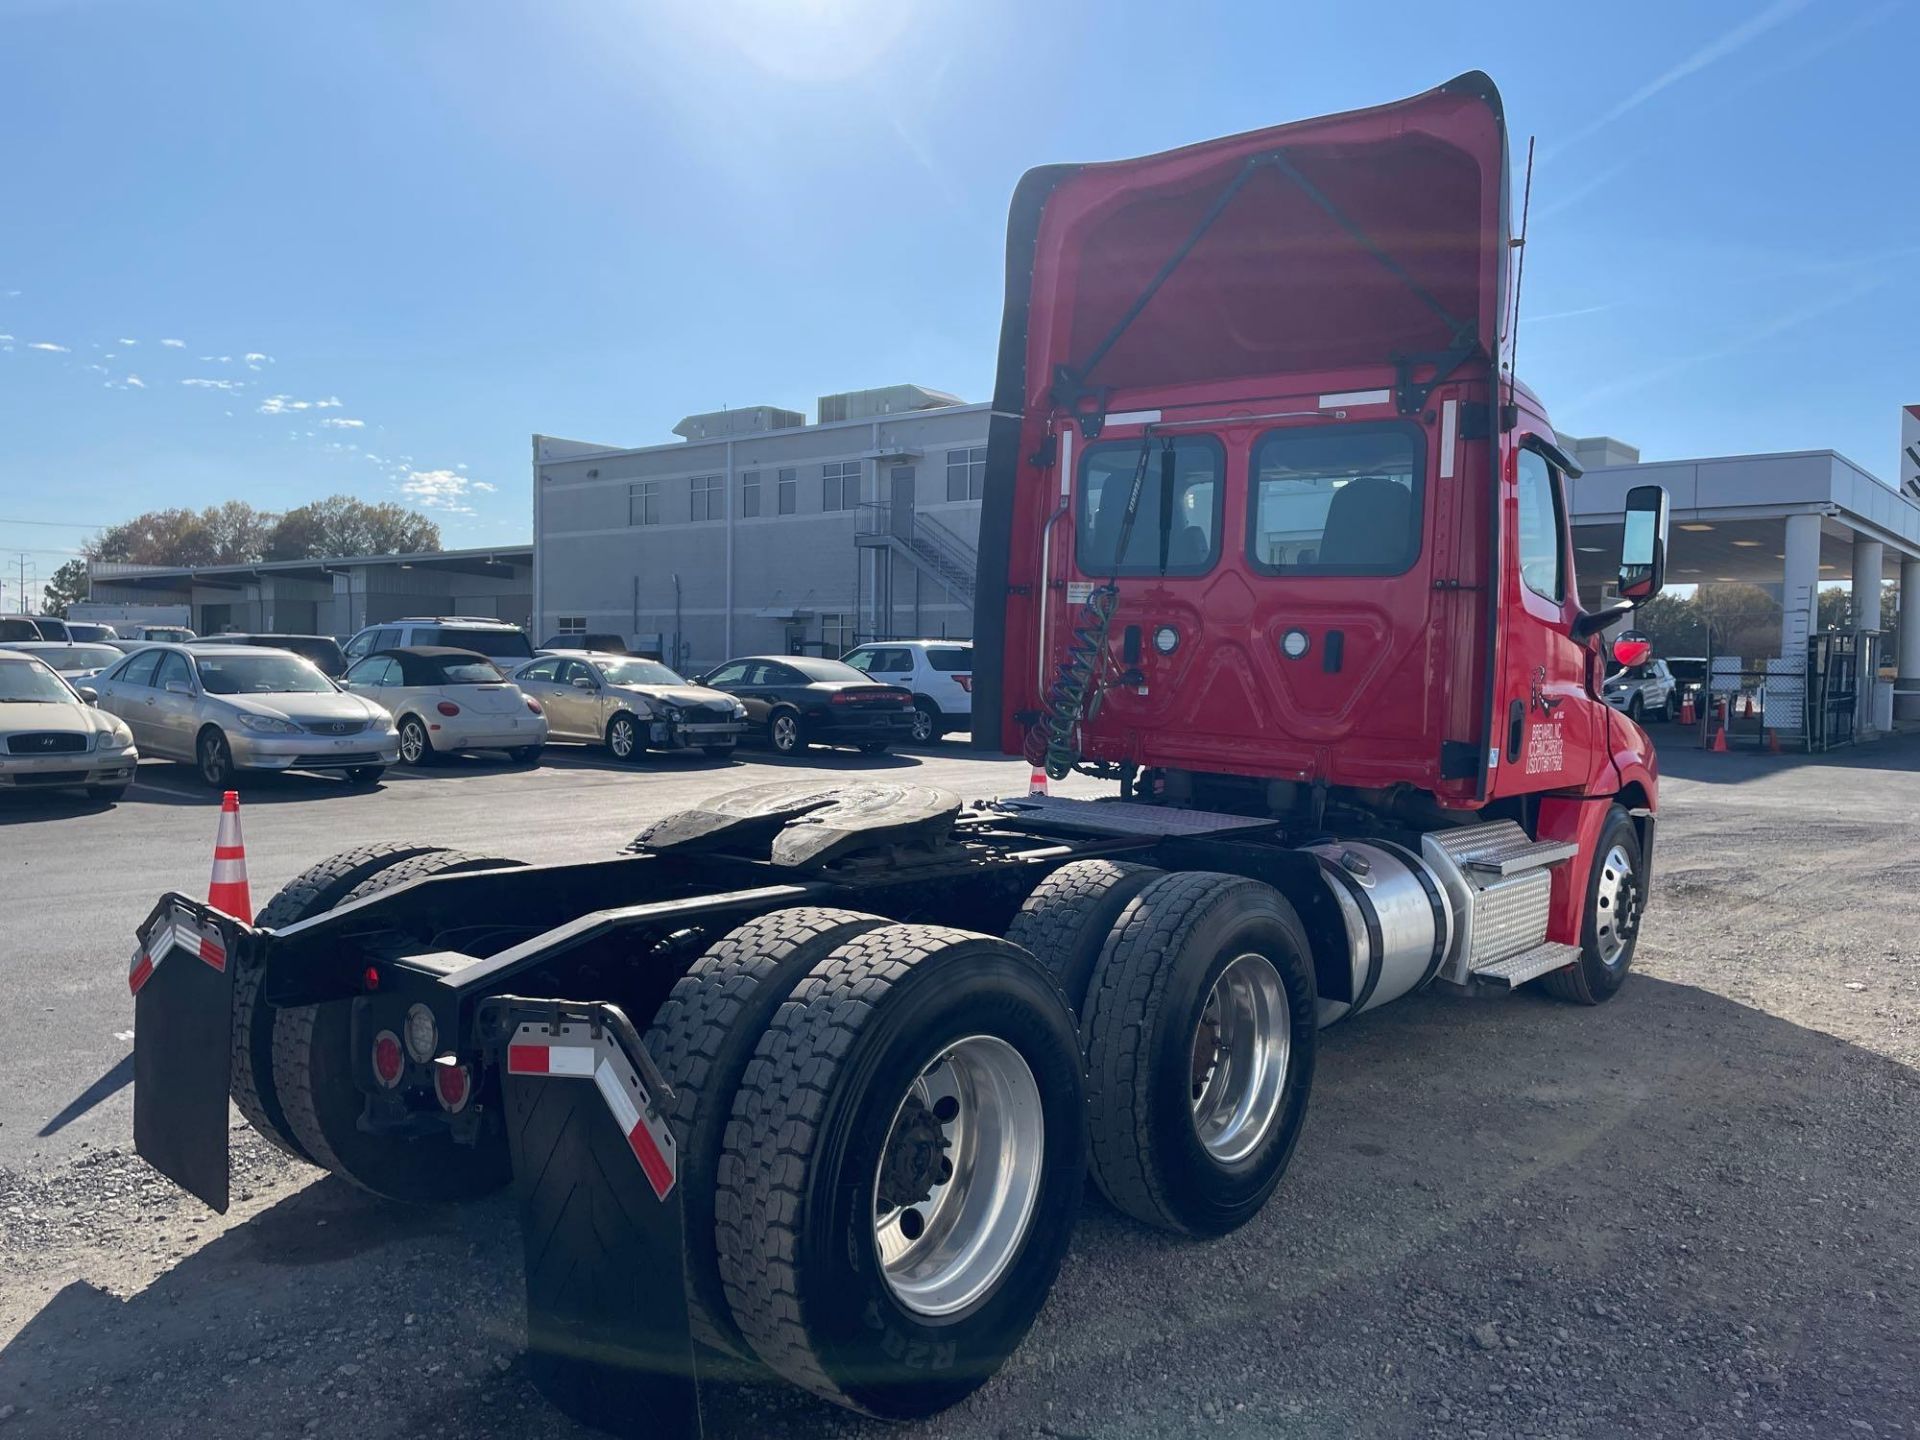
x: 1241, y: 1047
x: 916, y: 1156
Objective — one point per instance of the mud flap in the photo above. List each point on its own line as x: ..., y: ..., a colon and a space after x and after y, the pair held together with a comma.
x: 181, y: 976
x: 596, y: 1175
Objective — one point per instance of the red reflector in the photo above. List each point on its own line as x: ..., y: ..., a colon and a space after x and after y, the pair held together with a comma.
x: 447, y: 707
x: 452, y: 1085
x: 388, y: 1061
x: 370, y: 978
x: 532, y: 704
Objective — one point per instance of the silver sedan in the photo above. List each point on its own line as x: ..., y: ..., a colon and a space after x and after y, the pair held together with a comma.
x: 629, y: 704
x: 228, y: 708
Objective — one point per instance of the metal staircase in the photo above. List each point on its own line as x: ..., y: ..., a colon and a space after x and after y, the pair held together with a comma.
x: 930, y: 547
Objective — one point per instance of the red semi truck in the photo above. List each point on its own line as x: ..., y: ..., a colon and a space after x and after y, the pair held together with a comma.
x: 812, y: 1076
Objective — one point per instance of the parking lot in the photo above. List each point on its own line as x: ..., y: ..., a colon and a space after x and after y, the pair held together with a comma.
x: 1688, y: 1212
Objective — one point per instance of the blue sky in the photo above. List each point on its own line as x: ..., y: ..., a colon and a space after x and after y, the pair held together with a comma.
x: 281, y: 250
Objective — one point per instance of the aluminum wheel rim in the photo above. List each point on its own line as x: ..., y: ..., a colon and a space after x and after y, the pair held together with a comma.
x: 620, y: 738
x: 211, y: 770
x: 1613, y: 906
x: 413, y: 743
x: 922, y: 725
x: 785, y: 732
x: 1241, y: 1046
x: 980, y: 1095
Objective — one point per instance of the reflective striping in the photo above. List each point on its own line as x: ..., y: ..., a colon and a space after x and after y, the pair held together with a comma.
x: 627, y: 1101
x: 139, y: 971
x: 1449, y: 434
x: 1355, y: 397
x: 183, y: 934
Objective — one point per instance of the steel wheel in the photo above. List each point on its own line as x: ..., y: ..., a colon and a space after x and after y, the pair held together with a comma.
x: 413, y: 742
x: 783, y: 731
x: 623, y: 737
x: 958, y: 1175
x: 1240, y: 1058
x: 1613, y: 901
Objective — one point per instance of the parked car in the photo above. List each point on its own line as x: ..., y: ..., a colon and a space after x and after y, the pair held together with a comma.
x: 495, y: 639
x: 163, y: 634
x: 794, y: 701
x: 630, y: 705
x: 1645, y: 691
x: 938, y: 672
x: 599, y: 644
x: 229, y: 708
x: 32, y: 627
x: 51, y: 737
x: 89, y: 632
x: 75, y: 662
x: 444, y: 700
x: 323, y: 650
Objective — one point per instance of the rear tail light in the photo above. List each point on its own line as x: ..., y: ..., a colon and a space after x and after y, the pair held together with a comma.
x: 447, y: 707
x: 389, y: 1063
x: 452, y: 1086
x: 965, y: 682
x: 532, y: 704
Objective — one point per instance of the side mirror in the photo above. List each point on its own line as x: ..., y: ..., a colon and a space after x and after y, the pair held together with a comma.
x: 583, y: 682
x: 1643, y: 544
x: 1631, y: 648
x: 89, y: 694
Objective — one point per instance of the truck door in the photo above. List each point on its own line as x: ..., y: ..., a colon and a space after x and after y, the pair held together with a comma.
x: 1547, y: 726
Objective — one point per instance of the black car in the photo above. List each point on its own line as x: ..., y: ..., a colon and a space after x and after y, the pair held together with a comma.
x: 323, y: 650
x: 794, y: 701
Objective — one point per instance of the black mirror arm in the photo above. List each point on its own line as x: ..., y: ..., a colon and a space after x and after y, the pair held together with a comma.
x: 1590, y: 623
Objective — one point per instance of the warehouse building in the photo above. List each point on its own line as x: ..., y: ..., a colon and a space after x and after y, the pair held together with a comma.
x: 759, y: 533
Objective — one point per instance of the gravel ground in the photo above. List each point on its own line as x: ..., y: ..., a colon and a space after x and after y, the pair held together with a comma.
x: 1688, y: 1212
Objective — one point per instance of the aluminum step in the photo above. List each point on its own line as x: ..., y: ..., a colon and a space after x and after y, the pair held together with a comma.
x: 1119, y: 817
x: 1523, y: 854
x: 1516, y: 970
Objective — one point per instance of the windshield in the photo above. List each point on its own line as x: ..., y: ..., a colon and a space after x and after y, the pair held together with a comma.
x: 26, y: 682
x: 637, y: 672
x: 78, y: 630
x: 1341, y: 501
x: 170, y: 634
x: 260, y: 675
x: 469, y: 672
x: 500, y: 644
x: 77, y: 657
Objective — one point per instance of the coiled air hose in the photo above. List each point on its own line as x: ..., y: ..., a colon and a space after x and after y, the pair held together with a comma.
x: 1079, y: 677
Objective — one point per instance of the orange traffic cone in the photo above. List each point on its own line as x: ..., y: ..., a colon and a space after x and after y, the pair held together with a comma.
x: 1719, y: 745
x: 1773, y: 741
x: 228, y: 889
x: 1687, y: 717
x: 1037, y: 784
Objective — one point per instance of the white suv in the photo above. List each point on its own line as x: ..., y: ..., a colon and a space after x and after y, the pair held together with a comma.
x: 939, y: 672
x: 503, y: 643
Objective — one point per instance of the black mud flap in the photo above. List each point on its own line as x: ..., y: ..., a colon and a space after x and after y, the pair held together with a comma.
x: 182, y: 982
x: 596, y: 1173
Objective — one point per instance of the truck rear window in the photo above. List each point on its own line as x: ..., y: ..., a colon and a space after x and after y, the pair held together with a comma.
x: 1107, y: 471
x: 499, y: 644
x: 951, y: 660
x: 1340, y: 501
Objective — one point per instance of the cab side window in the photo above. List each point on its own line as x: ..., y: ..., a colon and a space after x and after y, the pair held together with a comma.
x: 1539, y: 530
x: 139, y: 670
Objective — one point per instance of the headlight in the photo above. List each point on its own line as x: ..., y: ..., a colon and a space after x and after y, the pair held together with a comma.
x: 268, y: 724
x: 112, y: 740
x: 739, y: 711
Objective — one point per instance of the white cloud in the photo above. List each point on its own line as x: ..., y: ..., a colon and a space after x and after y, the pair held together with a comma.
x: 136, y: 382
x: 332, y: 402
x: 216, y: 385
x: 49, y: 345
x: 6, y: 339
x: 342, y: 423
x: 129, y: 342
x: 255, y: 359
x: 443, y: 490
x: 174, y: 344
x: 461, y: 468
x: 283, y: 405
x: 484, y: 485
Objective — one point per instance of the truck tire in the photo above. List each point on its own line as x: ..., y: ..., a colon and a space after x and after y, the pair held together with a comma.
x: 1199, y: 961
x: 318, y: 888
x: 313, y: 1073
x: 1066, y: 920
x: 1616, y: 891
x: 905, y: 1043
x: 702, y: 1038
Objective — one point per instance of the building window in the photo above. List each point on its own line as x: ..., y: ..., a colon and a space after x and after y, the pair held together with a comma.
x: 643, y: 503
x: 571, y: 624
x: 840, y: 485
x: 967, y: 473
x: 789, y: 488
x: 836, y: 633
x: 749, y: 493
x: 709, y: 497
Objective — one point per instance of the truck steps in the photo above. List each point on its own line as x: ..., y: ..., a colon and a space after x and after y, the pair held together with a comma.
x: 1516, y: 970
x: 1511, y: 859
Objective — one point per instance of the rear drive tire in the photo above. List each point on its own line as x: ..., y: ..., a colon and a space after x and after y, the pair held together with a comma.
x: 416, y: 746
x: 702, y: 1038
x: 857, y: 1068
x: 313, y: 1072
x: 1066, y: 920
x: 314, y: 890
x: 1616, y: 894
x: 1186, y: 1135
